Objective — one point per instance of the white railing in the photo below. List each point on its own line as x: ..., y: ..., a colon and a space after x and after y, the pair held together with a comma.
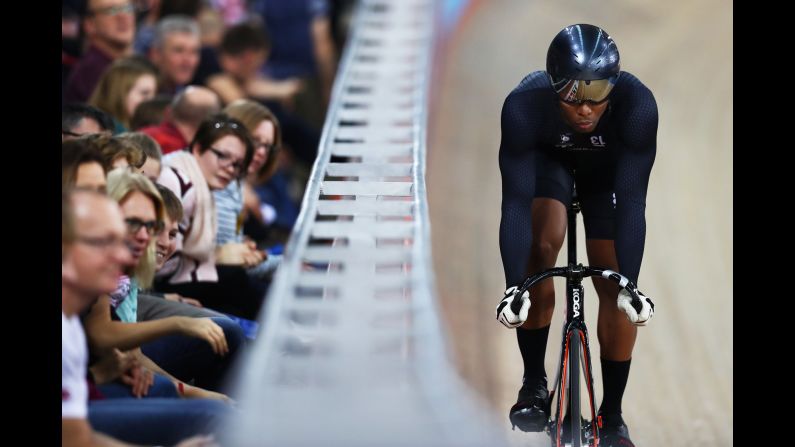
x: 351, y: 351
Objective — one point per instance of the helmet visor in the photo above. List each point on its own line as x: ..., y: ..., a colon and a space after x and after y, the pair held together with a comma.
x: 578, y: 91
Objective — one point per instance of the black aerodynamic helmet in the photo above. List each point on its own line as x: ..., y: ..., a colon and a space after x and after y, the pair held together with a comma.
x: 583, y: 63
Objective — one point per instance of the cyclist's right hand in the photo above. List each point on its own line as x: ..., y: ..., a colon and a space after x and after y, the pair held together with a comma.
x: 506, y: 315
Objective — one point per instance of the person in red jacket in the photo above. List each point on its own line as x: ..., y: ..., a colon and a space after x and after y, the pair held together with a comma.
x: 188, y: 109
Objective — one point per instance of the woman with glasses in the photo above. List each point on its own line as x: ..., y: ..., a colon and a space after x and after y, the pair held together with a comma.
x: 220, y: 153
x: 238, y: 204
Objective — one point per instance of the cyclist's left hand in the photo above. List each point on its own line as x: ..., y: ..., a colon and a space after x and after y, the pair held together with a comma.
x: 637, y: 318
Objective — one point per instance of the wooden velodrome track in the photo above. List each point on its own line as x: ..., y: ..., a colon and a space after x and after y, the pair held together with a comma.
x: 680, y: 385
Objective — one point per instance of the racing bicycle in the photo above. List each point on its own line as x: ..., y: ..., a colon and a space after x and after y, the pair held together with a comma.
x: 575, y: 356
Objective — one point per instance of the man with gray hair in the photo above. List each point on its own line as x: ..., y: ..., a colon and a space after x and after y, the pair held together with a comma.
x: 175, y: 51
x: 188, y: 109
x: 93, y: 255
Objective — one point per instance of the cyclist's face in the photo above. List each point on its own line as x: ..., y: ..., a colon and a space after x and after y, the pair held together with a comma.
x: 584, y: 117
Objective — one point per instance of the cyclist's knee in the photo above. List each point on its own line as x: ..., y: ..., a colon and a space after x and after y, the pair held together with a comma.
x: 545, y: 253
x: 542, y: 295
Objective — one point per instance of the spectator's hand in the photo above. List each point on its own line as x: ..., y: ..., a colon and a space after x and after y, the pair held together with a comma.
x: 181, y: 299
x: 207, y: 330
x: 226, y: 87
x: 199, y: 441
x: 265, y: 88
x: 111, y: 366
x: 230, y: 253
x: 254, y: 255
x: 638, y: 317
x: 259, y: 255
x: 234, y: 253
x: 505, y: 314
x: 139, y: 379
x: 290, y: 87
x: 194, y: 392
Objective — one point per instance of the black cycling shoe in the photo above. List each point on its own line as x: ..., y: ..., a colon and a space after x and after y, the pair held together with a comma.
x: 531, y: 411
x: 613, y: 432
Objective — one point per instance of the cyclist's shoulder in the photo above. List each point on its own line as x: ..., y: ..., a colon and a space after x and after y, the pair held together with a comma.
x: 531, y: 96
x: 631, y: 89
x: 535, y: 82
x: 634, y: 113
x: 633, y: 103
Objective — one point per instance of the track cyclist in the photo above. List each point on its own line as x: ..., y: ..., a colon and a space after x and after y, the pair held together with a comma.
x: 582, y: 121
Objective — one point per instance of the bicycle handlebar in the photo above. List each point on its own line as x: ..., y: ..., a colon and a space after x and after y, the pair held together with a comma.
x: 579, y: 271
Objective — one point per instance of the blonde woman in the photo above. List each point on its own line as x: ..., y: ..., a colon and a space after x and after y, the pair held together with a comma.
x: 143, y: 211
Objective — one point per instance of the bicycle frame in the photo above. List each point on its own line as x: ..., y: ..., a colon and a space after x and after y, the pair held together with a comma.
x: 575, y: 343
